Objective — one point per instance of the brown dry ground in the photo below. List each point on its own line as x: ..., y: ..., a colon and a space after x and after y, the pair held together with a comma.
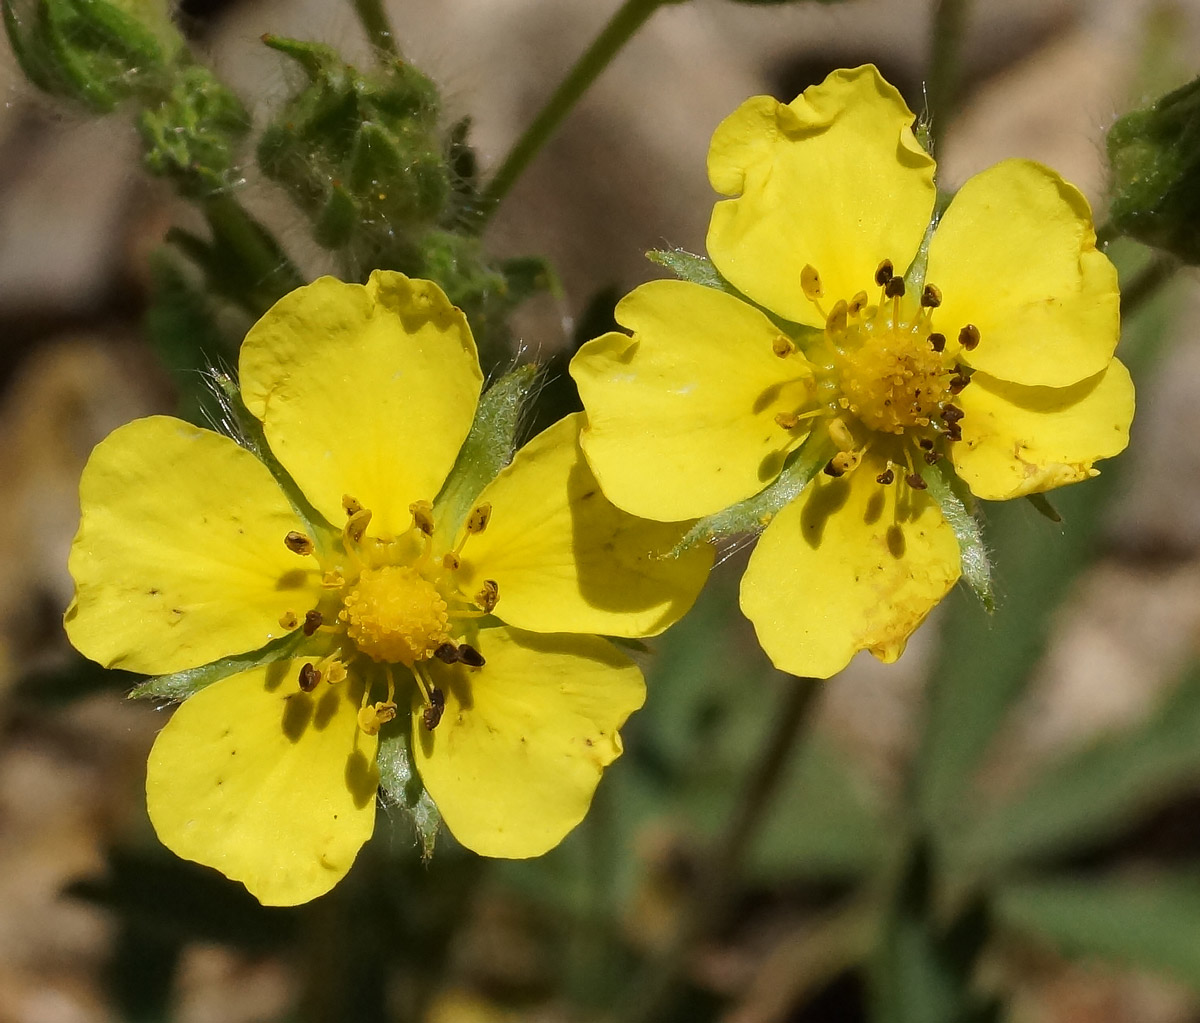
x: 1045, y: 79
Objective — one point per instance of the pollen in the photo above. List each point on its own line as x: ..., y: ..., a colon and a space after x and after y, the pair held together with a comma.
x: 395, y: 615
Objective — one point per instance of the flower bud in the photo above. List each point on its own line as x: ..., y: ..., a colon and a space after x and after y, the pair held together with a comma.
x: 1155, y: 158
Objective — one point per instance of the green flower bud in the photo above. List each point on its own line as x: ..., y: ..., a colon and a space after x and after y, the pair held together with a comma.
x: 1155, y: 158
x: 95, y: 52
x: 191, y: 135
x: 360, y: 152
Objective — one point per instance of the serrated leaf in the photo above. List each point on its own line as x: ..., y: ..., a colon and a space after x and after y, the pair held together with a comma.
x: 1152, y: 923
x: 488, y: 447
x: 687, y: 266
x: 1095, y: 791
x: 753, y: 514
x: 402, y: 789
x: 179, y: 685
x: 955, y: 501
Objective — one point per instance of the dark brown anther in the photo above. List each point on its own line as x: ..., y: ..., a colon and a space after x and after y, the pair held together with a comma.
x: 951, y: 414
x: 915, y: 481
x: 954, y: 432
x: 298, y: 543
x: 309, y: 677
x: 931, y: 457
x: 968, y: 337
x: 894, y: 287
x: 937, y: 342
x: 313, y: 620
x: 471, y: 657
x: 931, y: 297
x: 886, y: 477
x: 833, y: 470
x: 958, y: 383
x: 926, y: 444
x: 447, y: 653
x: 489, y: 596
x: 432, y: 714
x: 884, y: 273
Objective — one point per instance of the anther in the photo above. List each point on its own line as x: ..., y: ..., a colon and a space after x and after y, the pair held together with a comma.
x: 350, y: 505
x: 937, y: 342
x: 835, y: 323
x: 886, y: 477
x: 931, y: 458
x: 298, y: 543
x: 432, y: 714
x: 289, y: 620
x: 931, y: 296
x: 488, y: 597
x: 915, y: 481
x: 832, y: 470
x: 810, y: 283
x: 447, y: 653
x: 479, y: 518
x: 951, y: 414
x: 335, y: 672
x: 954, y: 432
x: 450, y: 561
x: 356, y: 527
x: 372, y: 718
x: 788, y: 420
x: 925, y: 444
x: 782, y: 346
x: 894, y: 288
x: 309, y: 677
x: 469, y: 656
x: 313, y: 620
x: 884, y: 273
x: 422, y: 513
x: 857, y: 303
x: 968, y: 337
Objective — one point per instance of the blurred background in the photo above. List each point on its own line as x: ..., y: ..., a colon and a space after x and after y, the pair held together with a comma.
x: 1004, y: 825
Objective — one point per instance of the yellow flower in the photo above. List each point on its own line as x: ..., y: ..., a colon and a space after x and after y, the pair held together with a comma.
x: 461, y: 613
x: 838, y: 332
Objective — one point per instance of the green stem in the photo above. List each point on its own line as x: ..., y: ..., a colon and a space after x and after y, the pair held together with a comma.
x: 943, y: 80
x: 721, y: 871
x: 1145, y: 284
x: 248, y: 265
x: 375, y: 23
x: 631, y: 16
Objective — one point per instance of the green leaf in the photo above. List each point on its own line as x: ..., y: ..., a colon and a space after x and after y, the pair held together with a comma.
x: 1150, y: 923
x: 179, y: 685
x: 402, y: 789
x: 687, y: 266
x: 753, y: 514
x: 488, y: 447
x: 1097, y: 790
x: 956, y: 502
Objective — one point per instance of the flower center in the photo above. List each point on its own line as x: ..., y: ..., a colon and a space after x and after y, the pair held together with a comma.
x: 886, y: 377
x: 395, y: 615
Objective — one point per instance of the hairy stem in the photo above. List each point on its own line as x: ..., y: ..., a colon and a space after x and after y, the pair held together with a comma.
x: 945, y: 69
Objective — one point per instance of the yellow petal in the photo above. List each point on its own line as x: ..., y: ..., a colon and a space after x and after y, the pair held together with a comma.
x: 179, y: 558
x: 524, y: 739
x: 1024, y: 440
x: 566, y: 559
x: 849, y: 565
x: 364, y: 390
x: 1015, y: 255
x: 681, y: 416
x: 273, y: 787
x: 834, y: 179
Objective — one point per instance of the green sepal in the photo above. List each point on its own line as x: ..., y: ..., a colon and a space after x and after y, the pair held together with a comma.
x: 687, y: 266
x: 1044, y: 507
x: 122, y: 33
x: 401, y: 787
x: 956, y: 502
x: 753, y: 514
x: 487, y: 449
x: 179, y: 685
x: 29, y: 48
x: 335, y: 224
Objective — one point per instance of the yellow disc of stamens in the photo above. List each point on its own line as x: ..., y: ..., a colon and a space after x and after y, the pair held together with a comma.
x: 810, y: 283
x: 893, y: 382
x: 395, y: 615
